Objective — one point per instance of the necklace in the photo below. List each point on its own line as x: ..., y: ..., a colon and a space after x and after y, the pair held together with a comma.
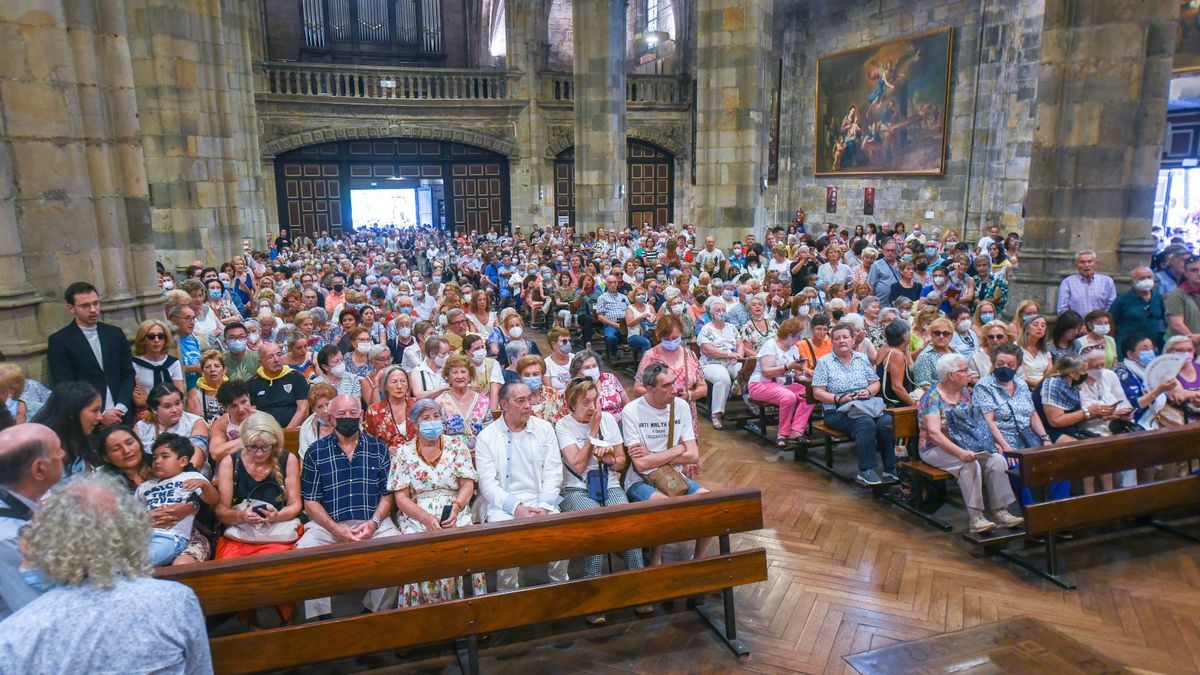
x: 432, y: 462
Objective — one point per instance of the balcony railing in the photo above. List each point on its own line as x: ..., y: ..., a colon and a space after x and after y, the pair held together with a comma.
x: 383, y: 83
x: 648, y: 89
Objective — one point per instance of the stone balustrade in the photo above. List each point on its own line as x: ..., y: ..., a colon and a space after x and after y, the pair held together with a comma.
x: 383, y: 83
x: 654, y: 90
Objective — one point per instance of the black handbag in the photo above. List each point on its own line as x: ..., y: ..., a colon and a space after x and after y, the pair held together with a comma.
x: 1124, y: 427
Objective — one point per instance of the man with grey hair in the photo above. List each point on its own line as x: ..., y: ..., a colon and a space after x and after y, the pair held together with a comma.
x: 103, y: 611
x: 1139, y: 311
x: 31, y: 462
x: 520, y: 470
x: 457, y: 327
x: 1085, y: 290
x: 514, y: 350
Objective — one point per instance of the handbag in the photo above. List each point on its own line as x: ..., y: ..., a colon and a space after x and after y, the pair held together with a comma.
x: 1170, y: 416
x: 871, y: 407
x: 284, y: 532
x: 1027, y: 436
x: 666, y: 478
x: 596, y: 480
x: 966, y: 427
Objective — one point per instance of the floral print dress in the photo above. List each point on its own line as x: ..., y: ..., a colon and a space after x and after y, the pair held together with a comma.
x: 379, y: 422
x: 477, y: 415
x: 685, y: 378
x: 433, y: 486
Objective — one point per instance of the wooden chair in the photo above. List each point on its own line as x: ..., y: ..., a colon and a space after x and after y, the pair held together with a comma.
x: 768, y: 413
x: 830, y: 436
x: 283, y: 578
x: 1041, y: 466
x: 291, y: 441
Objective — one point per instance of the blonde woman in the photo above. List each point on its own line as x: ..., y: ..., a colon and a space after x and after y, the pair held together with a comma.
x: 1036, y: 359
x: 153, y: 364
x: 261, y: 471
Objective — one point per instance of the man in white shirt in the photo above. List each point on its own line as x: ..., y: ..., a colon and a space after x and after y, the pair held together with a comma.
x: 711, y: 259
x: 659, y: 432
x: 423, y: 303
x: 987, y: 240
x: 31, y: 462
x: 520, y: 470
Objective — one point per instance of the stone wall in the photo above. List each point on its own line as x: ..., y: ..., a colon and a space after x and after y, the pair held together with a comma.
x: 990, y: 126
x: 561, y: 55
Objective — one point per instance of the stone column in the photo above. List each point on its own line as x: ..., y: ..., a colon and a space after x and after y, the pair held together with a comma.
x: 531, y: 190
x: 73, y: 197
x: 1101, y: 112
x: 600, y: 165
x: 733, y: 48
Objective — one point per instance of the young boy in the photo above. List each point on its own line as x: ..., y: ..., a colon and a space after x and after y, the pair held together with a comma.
x: 174, y: 482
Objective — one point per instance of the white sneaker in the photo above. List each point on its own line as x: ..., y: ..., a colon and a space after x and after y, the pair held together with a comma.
x: 1005, y: 519
x: 979, y: 525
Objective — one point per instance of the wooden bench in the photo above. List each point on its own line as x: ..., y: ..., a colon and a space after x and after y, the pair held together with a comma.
x: 927, y: 484
x: 1039, y: 467
x: 734, y: 412
x: 768, y: 413
x: 284, y: 578
x: 291, y: 441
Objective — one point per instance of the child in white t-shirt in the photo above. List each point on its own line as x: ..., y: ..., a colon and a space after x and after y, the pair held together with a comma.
x: 174, y: 482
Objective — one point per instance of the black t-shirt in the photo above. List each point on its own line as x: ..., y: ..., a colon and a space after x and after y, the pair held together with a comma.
x: 899, y: 291
x: 283, y: 240
x: 278, y: 397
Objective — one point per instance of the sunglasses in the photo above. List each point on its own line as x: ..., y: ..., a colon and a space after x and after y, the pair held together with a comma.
x: 156, y: 336
x: 579, y: 380
x: 941, y: 333
x: 998, y: 337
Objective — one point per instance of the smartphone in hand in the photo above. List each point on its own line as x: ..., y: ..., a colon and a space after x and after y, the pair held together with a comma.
x: 446, y: 511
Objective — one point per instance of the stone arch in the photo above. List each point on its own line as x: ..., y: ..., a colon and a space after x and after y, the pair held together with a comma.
x: 663, y: 138
x: 301, y: 139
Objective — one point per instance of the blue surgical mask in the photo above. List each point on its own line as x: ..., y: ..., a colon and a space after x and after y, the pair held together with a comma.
x: 672, y: 345
x: 533, y: 382
x: 987, y: 317
x: 237, y: 346
x: 215, y: 293
x: 1145, y: 357
x: 430, y: 430
x: 931, y: 251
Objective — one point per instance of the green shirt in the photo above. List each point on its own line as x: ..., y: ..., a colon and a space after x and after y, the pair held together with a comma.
x: 1179, y: 303
x: 241, y: 370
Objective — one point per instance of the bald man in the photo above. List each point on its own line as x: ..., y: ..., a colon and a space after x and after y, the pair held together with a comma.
x: 277, y: 389
x: 31, y: 462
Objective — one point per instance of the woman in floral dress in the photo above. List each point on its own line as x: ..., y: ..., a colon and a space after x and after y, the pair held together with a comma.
x: 613, y: 397
x: 387, y: 420
x: 690, y: 384
x: 428, y: 473
x: 465, y: 412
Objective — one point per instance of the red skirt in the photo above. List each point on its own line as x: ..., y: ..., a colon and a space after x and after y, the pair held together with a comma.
x: 229, y: 548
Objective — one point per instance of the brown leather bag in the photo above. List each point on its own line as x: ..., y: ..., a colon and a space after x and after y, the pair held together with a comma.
x: 666, y: 478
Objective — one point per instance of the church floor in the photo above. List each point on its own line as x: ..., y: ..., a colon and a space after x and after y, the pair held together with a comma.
x: 849, y: 575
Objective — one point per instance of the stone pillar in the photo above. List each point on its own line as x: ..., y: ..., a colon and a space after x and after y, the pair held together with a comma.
x: 1101, y: 111
x: 73, y: 196
x: 195, y: 90
x: 733, y: 49
x: 531, y: 176
x: 600, y: 165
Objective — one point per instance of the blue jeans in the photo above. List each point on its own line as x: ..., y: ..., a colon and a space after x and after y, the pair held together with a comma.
x: 642, y: 491
x: 165, y: 547
x: 639, y: 344
x: 870, y: 434
x: 612, y: 339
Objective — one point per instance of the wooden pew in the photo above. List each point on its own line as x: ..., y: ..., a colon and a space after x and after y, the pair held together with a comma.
x: 284, y: 578
x: 1044, y: 465
x: 291, y: 441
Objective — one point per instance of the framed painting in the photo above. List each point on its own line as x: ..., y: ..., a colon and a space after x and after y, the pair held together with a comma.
x: 1187, y: 39
x: 882, y: 110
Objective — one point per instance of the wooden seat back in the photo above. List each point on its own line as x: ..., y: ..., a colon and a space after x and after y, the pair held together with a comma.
x: 905, y: 424
x: 291, y: 440
x: 1041, y: 466
x: 283, y: 578
x: 748, y: 366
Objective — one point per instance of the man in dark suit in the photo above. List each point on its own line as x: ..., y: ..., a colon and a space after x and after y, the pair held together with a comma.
x: 93, y: 352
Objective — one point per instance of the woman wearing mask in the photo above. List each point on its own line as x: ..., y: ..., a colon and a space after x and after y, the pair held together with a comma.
x: 640, y: 319
x: 547, y: 403
x: 965, y: 340
x: 613, y: 397
x: 720, y: 356
x: 1035, y: 352
x: 689, y: 378
x: 1102, y: 386
x: 754, y: 266
x: 202, y: 400
x: 676, y: 307
x: 489, y: 377
x: 334, y: 372
x: 1099, y: 333
x: 1059, y: 404
x: 558, y: 364
x: 1131, y: 373
x: 358, y: 356
x: 319, y: 424
x: 387, y: 419
x: 428, y: 474
x: 427, y: 379
x: 465, y: 412
x: 1187, y: 394
x: 777, y: 380
x: 510, y: 328
x: 414, y: 355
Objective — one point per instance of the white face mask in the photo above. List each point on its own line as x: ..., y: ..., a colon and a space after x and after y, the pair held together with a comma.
x: 477, y: 356
x: 440, y: 360
x: 1094, y: 373
x: 338, y: 371
x: 362, y: 348
x: 1142, y: 285
x: 964, y: 325
x: 1100, y: 329
x: 515, y: 332
x: 404, y: 333
x: 593, y: 373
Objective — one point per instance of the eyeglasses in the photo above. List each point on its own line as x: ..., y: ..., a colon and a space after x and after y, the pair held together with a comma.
x: 1091, y: 348
x: 941, y: 333
x: 998, y: 337
x: 156, y: 336
x: 260, y: 448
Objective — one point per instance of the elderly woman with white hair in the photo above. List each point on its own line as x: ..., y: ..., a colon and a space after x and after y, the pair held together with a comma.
x: 721, y: 354
x: 956, y: 438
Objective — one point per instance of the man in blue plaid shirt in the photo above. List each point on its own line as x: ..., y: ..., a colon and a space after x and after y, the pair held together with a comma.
x: 610, y: 310
x: 344, y: 486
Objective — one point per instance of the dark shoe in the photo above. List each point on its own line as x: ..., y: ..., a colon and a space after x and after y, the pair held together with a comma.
x: 890, y: 476
x: 868, y: 477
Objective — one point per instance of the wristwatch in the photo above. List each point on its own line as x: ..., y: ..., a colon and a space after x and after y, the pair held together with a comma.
x: 377, y: 520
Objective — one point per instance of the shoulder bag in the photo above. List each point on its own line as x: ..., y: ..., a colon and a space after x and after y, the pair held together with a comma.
x: 666, y: 478
x: 284, y: 532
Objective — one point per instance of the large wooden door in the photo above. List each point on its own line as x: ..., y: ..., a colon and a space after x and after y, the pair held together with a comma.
x: 564, y: 187
x: 651, y: 185
x: 313, y: 197
x: 476, y: 197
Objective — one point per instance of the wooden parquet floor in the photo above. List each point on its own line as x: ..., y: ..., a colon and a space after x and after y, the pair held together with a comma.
x: 849, y: 575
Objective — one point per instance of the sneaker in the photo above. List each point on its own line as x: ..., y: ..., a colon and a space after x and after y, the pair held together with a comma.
x: 979, y: 525
x: 644, y: 610
x: 868, y: 477
x: 890, y: 477
x: 1005, y: 519
x: 596, y: 620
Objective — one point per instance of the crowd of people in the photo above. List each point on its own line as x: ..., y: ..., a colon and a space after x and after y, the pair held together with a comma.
x: 404, y: 364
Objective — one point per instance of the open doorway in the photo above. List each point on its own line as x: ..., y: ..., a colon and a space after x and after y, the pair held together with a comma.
x: 1177, y: 207
x: 397, y: 204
